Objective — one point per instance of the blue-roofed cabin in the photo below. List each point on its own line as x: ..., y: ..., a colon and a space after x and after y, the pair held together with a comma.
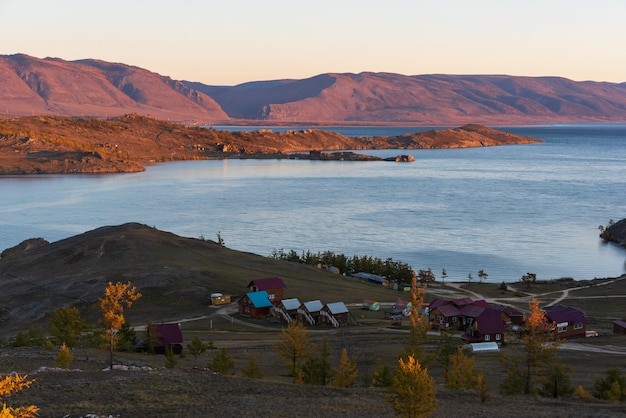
x: 255, y: 304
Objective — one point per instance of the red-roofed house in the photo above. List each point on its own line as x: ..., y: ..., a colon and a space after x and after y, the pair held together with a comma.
x: 274, y: 286
x: 569, y: 322
x: 487, y: 327
x: 444, y: 315
x: 170, y: 337
x: 512, y: 316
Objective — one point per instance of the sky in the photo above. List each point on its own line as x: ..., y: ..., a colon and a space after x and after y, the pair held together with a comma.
x: 228, y: 42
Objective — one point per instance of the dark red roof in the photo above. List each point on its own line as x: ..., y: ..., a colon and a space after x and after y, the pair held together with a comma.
x: 482, y: 303
x: 437, y: 302
x: 490, y: 322
x: 472, y: 311
x: 462, y: 301
x: 268, y: 283
x: 169, y: 334
x: 448, y: 310
x: 561, y: 313
x: 509, y: 310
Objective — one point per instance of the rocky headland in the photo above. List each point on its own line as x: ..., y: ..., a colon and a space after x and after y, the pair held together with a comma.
x: 55, y: 145
x: 614, y: 232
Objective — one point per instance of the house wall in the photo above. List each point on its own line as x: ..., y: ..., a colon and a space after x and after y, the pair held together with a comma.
x: 571, y: 331
x: 440, y: 321
x: 247, y: 308
x: 275, y: 295
x: 618, y: 330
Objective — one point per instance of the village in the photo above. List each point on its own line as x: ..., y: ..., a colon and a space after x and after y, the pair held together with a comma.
x: 480, y: 324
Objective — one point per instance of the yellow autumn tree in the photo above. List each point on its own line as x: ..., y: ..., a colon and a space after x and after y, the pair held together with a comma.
x: 538, y: 354
x: 8, y: 386
x: 346, y: 371
x: 418, y: 335
x: 462, y: 371
x: 295, y: 346
x: 117, y: 296
x: 413, y: 392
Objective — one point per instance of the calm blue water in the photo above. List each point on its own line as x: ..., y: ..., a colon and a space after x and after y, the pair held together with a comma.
x: 508, y: 210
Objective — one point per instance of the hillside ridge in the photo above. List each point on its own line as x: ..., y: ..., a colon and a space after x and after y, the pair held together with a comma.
x: 96, y: 88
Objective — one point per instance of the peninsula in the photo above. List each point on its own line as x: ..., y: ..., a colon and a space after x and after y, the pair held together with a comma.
x: 60, y: 145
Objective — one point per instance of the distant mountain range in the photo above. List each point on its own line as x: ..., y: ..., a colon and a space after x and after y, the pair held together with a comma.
x: 51, y: 86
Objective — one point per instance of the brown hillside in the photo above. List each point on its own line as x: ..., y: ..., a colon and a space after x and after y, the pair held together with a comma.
x: 448, y: 99
x: 96, y: 88
x: 52, y: 86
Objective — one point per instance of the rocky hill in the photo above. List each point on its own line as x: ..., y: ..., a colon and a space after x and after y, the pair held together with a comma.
x: 96, y: 88
x: 52, y: 86
x: 43, y: 145
x: 175, y: 274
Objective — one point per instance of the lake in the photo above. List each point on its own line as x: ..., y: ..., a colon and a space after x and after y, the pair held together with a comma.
x: 508, y: 210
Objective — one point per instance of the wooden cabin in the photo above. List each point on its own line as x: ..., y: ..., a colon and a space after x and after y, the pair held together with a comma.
x: 309, y: 312
x: 334, y: 314
x: 274, y: 286
x: 286, y: 310
x: 255, y: 304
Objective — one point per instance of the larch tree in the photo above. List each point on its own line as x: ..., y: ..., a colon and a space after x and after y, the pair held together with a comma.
x: 482, y: 275
x: 117, y: 297
x: 413, y: 390
x: 346, y: 371
x: 295, y: 345
x: 197, y: 347
x: 537, y: 357
x: 10, y: 385
x: 418, y: 335
x: 316, y: 370
x: 66, y: 326
x: 462, y: 371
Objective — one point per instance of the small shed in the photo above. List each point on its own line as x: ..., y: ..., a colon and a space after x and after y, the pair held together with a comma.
x: 286, y: 310
x: 309, y: 312
x: 219, y: 299
x: 255, y: 304
x: 619, y: 327
x: 335, y: 314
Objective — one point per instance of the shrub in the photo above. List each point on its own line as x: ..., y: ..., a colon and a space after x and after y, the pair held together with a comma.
x: 611, y: 387
x: 64, y: 358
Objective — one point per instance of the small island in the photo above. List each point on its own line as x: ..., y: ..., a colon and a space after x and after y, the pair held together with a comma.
x: 59, y: 145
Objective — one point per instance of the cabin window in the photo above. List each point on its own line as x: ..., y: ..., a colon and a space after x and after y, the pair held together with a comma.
x: 562, y: 329
x: 454, y: 319
x: 498, y: 337
x: 578, y: 326
x: 487, y: 337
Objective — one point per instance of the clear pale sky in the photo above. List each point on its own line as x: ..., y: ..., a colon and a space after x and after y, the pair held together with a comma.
x: 229, y: 42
